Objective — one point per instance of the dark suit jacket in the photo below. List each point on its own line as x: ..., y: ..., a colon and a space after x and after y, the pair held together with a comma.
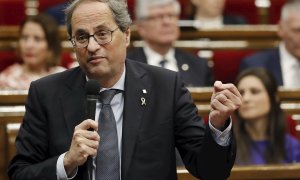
x: 233, y: 20
x: 150, y: 133
x: 198, y: 74
x: 267, y: 59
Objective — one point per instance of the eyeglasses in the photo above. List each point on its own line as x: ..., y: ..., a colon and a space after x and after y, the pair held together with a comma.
x: 102, y: 37
x: 161, y: 17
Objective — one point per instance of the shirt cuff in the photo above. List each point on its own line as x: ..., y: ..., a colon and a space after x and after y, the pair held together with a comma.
x: 60, y: 169
x: 221, y: 137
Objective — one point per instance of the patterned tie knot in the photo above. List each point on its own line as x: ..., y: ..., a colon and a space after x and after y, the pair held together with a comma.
x: 163, y: 62
x: 107, y: 95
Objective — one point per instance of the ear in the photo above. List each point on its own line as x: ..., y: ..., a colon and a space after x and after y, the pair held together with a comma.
x: 280, y: 28
x: 127, y: 36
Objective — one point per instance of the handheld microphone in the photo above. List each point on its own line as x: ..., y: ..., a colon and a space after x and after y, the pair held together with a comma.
x: 92, y: 89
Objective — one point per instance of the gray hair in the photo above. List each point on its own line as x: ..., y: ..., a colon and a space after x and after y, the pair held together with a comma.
x: 288, y: 8
x: 142, y: 7
x: 118, y: 8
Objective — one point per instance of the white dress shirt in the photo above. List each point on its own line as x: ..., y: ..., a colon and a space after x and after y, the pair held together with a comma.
x: 209, y: 23
x: 153, y: 58
x: 290, y: 68
x: 117, y: 104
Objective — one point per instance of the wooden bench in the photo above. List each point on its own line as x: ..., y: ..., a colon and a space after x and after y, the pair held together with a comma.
x: 10, y: 118
x: 266, y: 172
x: 12, y: 111
x: 230, y: 37
x: 222, y: 46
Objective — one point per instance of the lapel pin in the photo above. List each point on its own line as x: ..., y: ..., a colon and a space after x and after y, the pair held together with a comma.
x: 185, y: 67
x: 144, y: 91
x: 143, y: 100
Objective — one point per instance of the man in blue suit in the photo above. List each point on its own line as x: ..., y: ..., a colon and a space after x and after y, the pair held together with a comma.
x: 284, y: 61
x: 157, y: 24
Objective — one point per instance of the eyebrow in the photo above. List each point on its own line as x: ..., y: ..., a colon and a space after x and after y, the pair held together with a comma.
x: 100, y: 27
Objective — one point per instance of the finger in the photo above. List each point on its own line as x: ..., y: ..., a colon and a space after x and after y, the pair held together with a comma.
x: 92, y: 144
x: 221, y: 97
x: 218, y: 105
x: 237, y: 101
x: 232, y: 89
x: 87, y: 124
x: 218, y: 86
x: 85, y: 150
x: 91, y: 135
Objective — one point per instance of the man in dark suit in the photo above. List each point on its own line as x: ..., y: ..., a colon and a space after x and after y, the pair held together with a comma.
x: 284, y: 61
x: 152, y: 114
x: 157, y: 24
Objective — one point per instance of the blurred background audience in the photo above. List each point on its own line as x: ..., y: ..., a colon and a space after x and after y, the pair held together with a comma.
x: 261, y: 126
x: 39, y: 48
x: 57, y: 12
x: 284, y: 61
x: 157, y: 24
x: 210, y: 14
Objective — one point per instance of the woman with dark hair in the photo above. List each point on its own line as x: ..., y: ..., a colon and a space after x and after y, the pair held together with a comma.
x: 260, y: 129
x: 39, y: 48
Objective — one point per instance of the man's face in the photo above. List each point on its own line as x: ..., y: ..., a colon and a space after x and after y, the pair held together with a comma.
x: 209, y: 8
x: 161, y: 26
x: 289, y: 31
x: 101, y: 62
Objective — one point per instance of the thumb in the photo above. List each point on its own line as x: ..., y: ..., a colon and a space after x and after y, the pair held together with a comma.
x: 218, y: 86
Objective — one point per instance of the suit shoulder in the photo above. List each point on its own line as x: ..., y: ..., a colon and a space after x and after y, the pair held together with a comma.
x: 188, y: 55
x: 155, y: 70
x: 57, y: 77
x: 263, y: 55
x: 135, y: 53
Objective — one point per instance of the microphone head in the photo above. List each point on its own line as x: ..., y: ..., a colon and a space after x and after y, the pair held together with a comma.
x: 92, y: 87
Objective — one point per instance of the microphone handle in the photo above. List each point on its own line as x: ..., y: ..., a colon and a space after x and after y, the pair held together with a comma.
x: 90, y: 109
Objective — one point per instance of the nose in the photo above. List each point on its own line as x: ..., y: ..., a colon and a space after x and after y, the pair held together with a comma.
x: 246, y: 96
x: 29, y: 42
x: 92, y: 45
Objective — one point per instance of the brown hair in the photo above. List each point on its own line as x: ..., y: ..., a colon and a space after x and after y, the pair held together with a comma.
x: 276, y: 130
x: 51, y: 30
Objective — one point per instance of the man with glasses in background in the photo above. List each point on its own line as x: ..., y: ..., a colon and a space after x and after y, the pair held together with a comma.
x: 157, y: 24
x: 142, y: 113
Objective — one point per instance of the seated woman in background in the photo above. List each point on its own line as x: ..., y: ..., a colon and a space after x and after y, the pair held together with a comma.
x: 39, y: 48
x: 260, y: 127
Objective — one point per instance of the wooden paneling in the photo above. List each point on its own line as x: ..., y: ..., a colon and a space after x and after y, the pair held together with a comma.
x: 265, y: 172
x: 12, y: 110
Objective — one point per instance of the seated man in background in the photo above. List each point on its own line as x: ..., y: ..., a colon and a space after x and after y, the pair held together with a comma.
x: 283, y: 62
x: 209, y: 13
x: 157, y: 24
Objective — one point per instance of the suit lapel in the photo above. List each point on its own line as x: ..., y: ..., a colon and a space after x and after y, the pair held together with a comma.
x: 137, y: 89
x: 73, y: 100
x: 277, y: 67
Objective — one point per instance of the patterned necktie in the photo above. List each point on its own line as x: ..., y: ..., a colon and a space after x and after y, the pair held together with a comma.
x: 163, y: 63
x: 107, y: 161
